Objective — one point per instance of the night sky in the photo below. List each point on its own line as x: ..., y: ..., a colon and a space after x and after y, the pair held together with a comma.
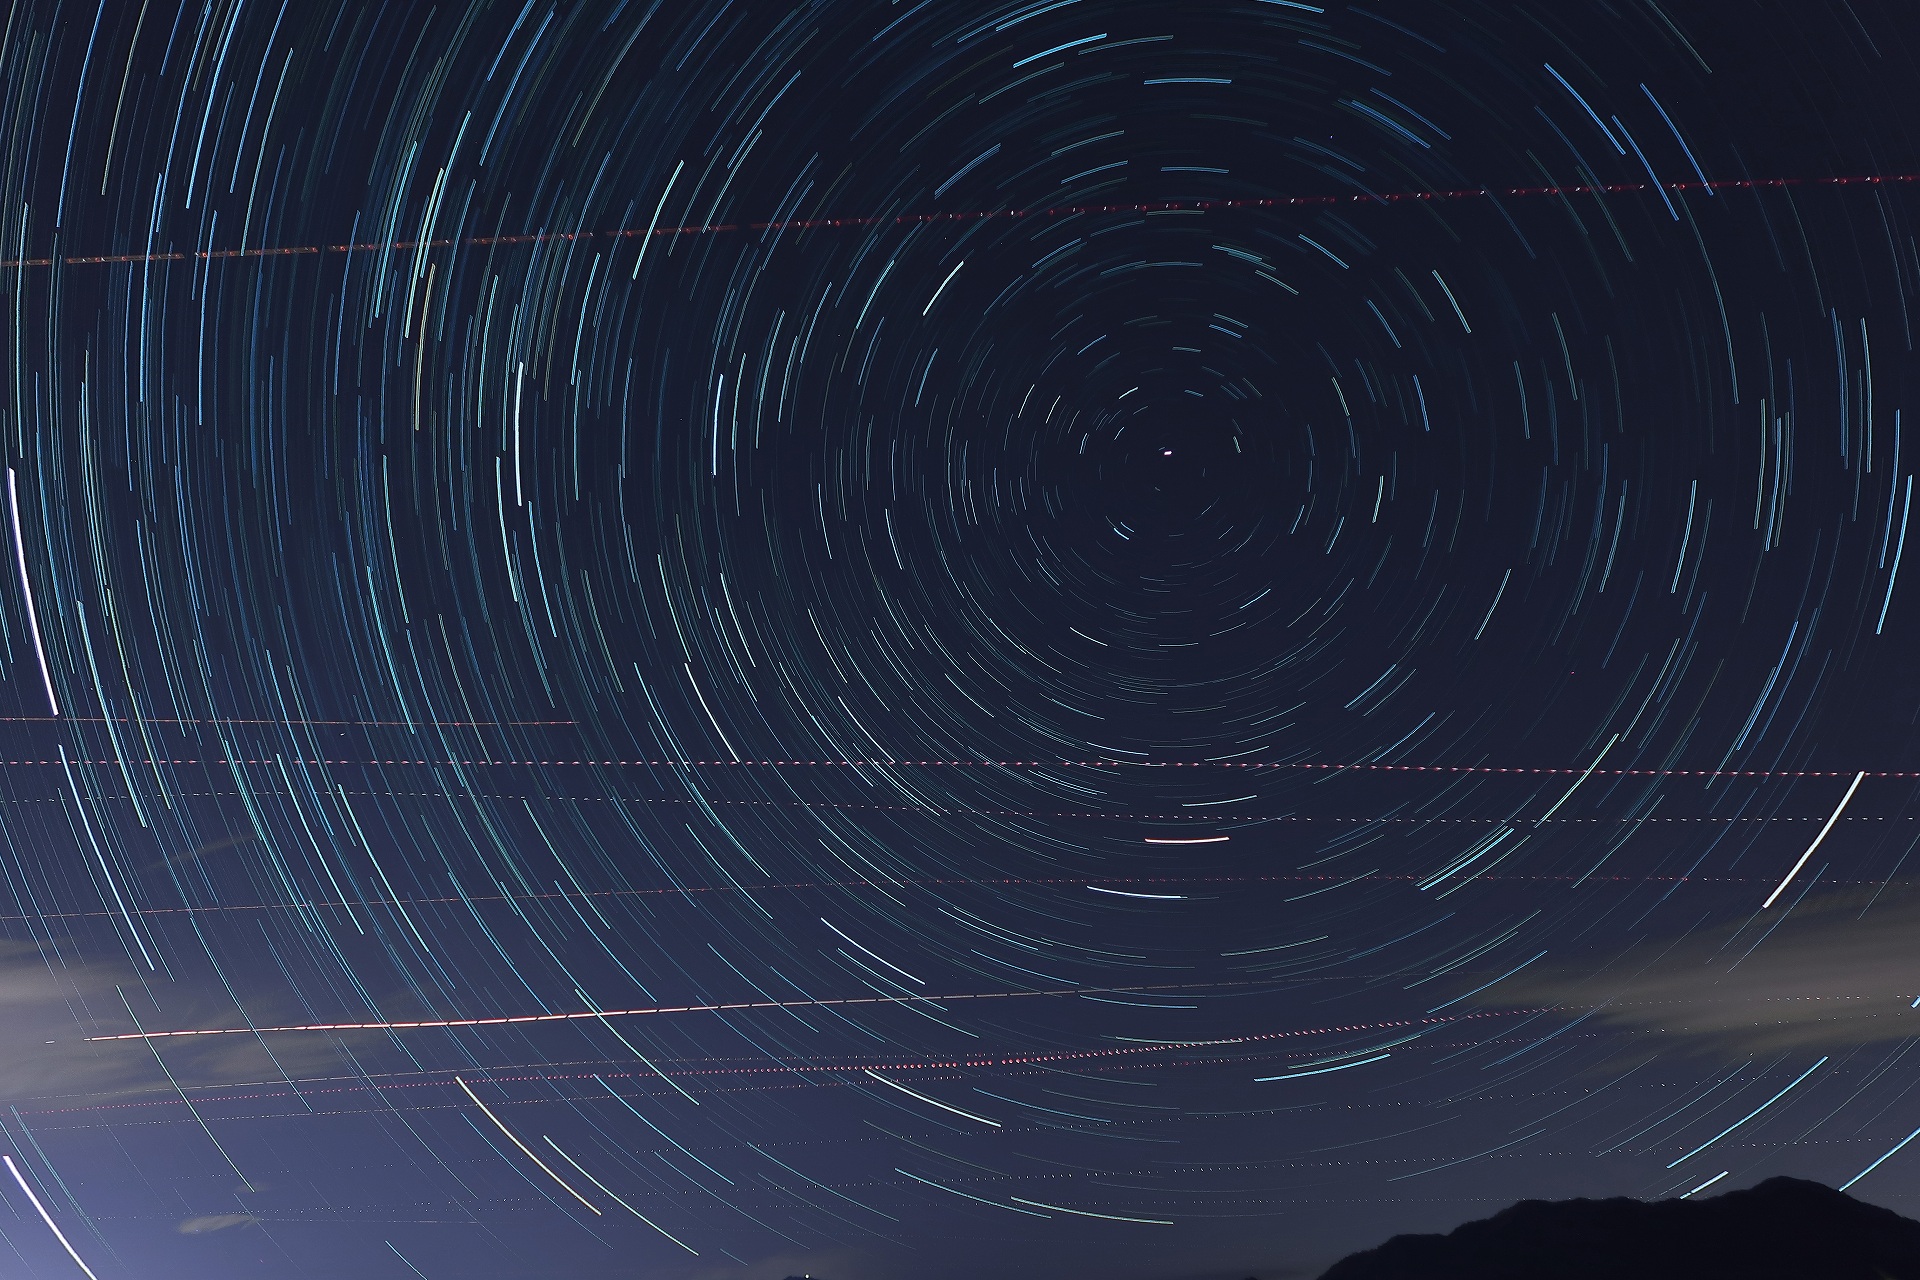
x: 711, y: 639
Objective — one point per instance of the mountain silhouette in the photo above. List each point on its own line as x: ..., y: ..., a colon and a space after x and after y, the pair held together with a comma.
x: 1782, y: 1229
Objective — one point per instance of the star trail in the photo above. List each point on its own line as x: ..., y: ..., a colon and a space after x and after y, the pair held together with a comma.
x: 876, y: 638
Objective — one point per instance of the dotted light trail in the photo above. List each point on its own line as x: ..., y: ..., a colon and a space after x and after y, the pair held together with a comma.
x: 973, y: 215
x: 425, y: 1024
x: 576, y: 763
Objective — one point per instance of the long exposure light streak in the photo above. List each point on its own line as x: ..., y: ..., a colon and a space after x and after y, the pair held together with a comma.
x: 26, y: 590
x: 1838, y: 809
x: 515, y: 1139
x: 418, y: 1024
x: 477, y: 762
x: 47, y: 1218
x: 972, y: 215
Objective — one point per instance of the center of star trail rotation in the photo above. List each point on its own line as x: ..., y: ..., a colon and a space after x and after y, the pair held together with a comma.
x: 876, y: 638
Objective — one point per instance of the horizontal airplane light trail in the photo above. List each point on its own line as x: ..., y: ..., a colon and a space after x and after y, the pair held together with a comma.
x: 363, y: 724
x: 595, y: 1015
x: 1155, y: 1046
x: 583, y: 763
x: 972, y: 215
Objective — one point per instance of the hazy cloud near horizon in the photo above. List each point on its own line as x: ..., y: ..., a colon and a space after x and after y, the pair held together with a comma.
x: 1842, y: 970
x: 48, y: 1012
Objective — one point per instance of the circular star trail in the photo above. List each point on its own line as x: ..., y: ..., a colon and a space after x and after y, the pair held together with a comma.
x: 1037, y: 637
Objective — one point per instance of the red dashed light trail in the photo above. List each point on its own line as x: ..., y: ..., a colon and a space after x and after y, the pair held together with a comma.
x: 974, y: 215
x: 1113, y: 1058
x: 428, y: 1024
x: 294, y: 724
x: 600, y: 1014
x: 984, y: 764
x: 1518, y: 770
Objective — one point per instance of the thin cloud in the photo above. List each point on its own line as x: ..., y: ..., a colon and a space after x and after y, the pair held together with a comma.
x: 214, y: 1222
x: 1842, y: 970
x: 49, y: 1010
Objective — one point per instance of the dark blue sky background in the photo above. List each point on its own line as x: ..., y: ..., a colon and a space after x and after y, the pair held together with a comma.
x: 709, y: 640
